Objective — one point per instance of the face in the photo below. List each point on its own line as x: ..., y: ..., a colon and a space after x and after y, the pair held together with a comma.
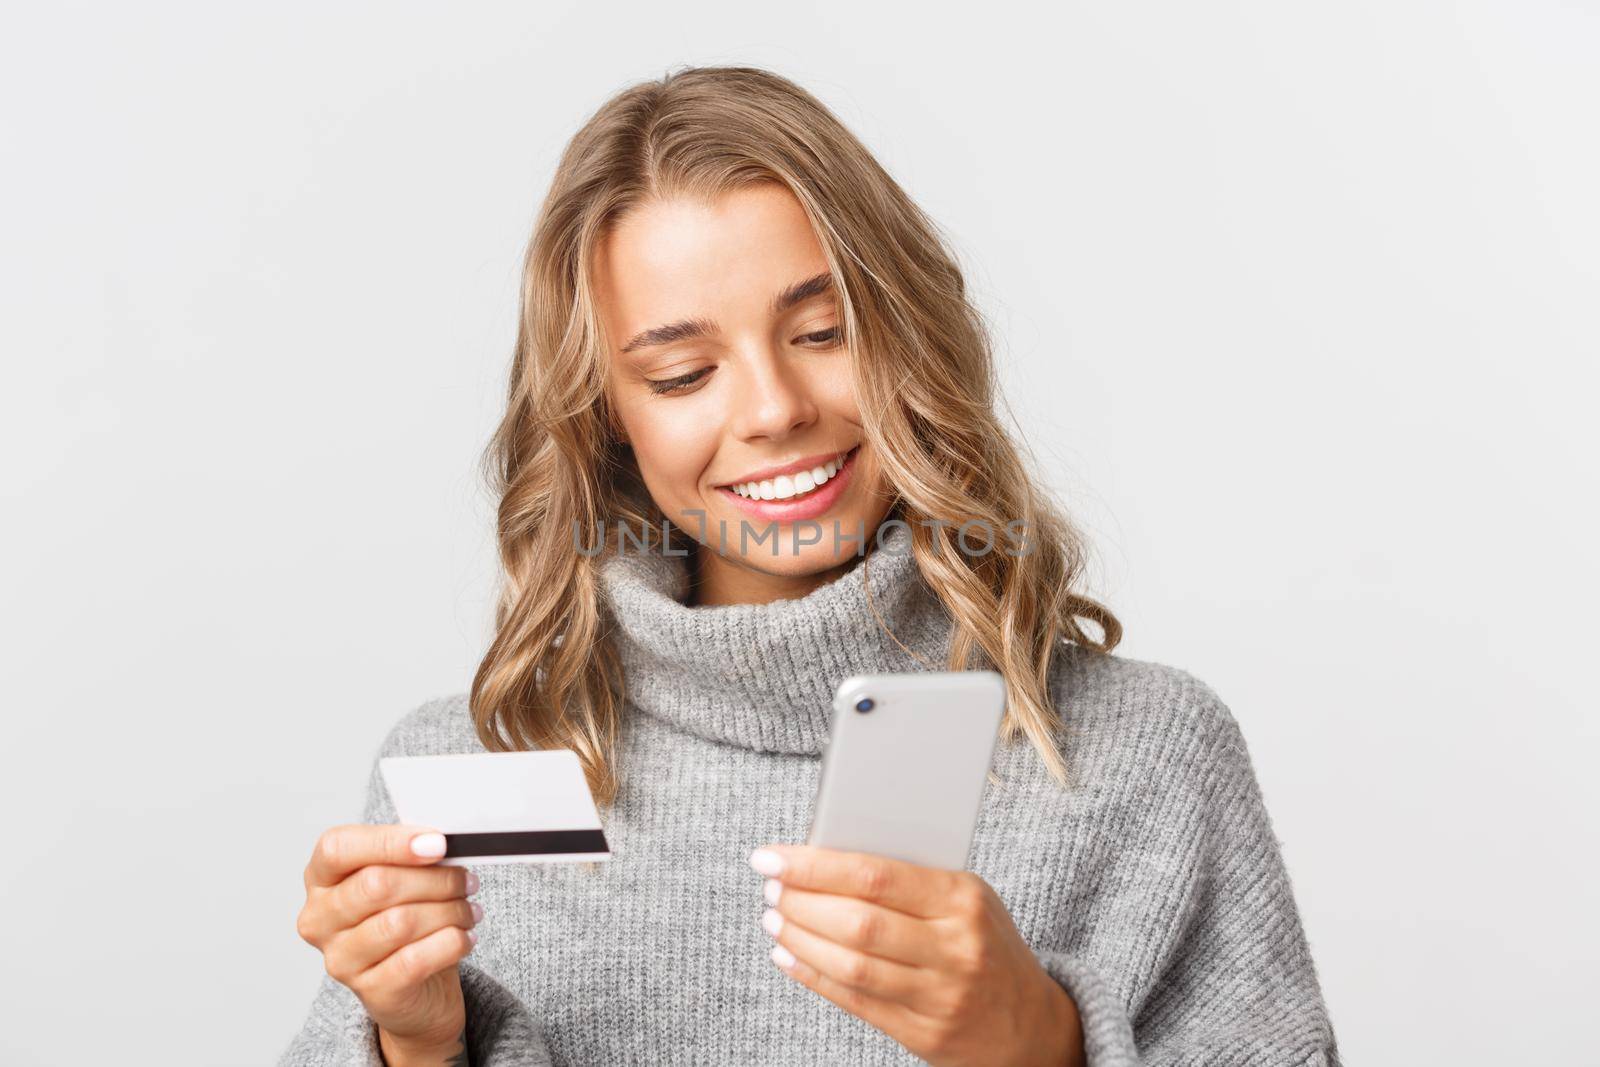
x: 732, y: 386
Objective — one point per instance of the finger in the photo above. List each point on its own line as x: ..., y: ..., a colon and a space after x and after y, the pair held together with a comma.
x: 873, y: 975
x: 886, y: 1015
x: 344, y: 849
x: 411, y: 965
x: 376, y: 938
x: 372, y: 889
x: 859, y: 924
x: 906, y: 887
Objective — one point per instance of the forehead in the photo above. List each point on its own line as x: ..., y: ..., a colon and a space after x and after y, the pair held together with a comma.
x: 682, y: 257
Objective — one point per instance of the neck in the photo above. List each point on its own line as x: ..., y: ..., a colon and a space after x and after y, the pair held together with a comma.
x: 762, y: 675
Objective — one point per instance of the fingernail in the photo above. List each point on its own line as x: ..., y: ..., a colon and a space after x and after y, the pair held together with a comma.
x: 472, y: 882
x: 782, y: 957
x: 472, y: 935
x: 770, y: 891
x: 771, y: 922
x: 766, y: 861
x: 477, y: 911
x: 428, y: 845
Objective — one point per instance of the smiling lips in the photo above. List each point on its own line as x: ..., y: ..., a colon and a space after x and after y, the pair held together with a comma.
x: 803, y: 493
x: 785, y: 486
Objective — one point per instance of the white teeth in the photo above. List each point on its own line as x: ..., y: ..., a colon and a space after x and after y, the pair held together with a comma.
x: 785, y: 486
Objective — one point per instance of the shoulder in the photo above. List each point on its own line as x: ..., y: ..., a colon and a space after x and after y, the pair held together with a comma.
x: 438, y: 726
x: 1139, y: 715
x: 1106, y: 686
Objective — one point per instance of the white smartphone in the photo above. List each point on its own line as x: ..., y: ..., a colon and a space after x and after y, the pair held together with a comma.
x: 906, y: 762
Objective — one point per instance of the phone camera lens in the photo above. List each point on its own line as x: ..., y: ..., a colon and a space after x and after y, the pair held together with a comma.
x: 864, y: 705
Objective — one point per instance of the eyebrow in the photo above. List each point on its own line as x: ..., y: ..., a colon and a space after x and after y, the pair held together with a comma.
x: 688, y: 329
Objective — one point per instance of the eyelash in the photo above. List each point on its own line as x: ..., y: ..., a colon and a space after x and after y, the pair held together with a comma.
x: 669, y: 386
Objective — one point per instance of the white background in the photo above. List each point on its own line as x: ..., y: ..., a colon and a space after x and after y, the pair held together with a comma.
x: 1297, y: 309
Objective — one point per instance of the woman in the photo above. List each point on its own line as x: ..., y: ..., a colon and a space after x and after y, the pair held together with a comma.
x: 734, y: 320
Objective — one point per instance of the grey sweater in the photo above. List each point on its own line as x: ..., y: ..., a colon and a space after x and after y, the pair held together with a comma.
x: 1152, y: 887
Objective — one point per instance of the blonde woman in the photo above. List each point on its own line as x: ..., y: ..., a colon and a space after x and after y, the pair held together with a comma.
x: 735, y: 324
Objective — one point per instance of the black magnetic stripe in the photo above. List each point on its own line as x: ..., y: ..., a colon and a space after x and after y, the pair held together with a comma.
x: 525, y: 843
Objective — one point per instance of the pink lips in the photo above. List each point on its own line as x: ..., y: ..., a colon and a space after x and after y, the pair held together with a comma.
x: 808, y: 506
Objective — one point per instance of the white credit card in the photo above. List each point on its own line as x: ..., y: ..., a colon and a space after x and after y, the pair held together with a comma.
x: 500, y: 807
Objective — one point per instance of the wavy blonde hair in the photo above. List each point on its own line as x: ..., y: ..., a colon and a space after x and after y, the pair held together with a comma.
x: 925, y: 383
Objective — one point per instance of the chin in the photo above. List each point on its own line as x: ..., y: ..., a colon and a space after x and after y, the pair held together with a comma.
x: 809, y: 560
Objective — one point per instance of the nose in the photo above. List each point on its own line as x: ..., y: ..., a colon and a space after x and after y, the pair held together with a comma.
x: 774, y: 398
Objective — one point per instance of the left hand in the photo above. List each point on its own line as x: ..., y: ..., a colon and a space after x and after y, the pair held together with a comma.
x: 928, y: 956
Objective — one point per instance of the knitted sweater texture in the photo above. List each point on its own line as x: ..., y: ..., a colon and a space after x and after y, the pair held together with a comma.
x: 1151, y: 886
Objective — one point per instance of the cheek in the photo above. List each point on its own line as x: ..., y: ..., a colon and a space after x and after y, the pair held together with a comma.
x: 836, y: 391
x: 673, y: 452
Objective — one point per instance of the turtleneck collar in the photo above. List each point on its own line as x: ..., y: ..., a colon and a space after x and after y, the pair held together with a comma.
x: 762, y: 676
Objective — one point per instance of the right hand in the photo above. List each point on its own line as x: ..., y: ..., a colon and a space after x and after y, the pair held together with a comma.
x: 392, y: 925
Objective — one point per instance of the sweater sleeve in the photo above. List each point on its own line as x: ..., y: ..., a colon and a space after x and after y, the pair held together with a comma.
x: 337, y: 1031
x: 1236, y: 985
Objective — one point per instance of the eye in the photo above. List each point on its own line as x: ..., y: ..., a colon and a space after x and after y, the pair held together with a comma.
x: 668, y: 386
x: 828, y: 336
